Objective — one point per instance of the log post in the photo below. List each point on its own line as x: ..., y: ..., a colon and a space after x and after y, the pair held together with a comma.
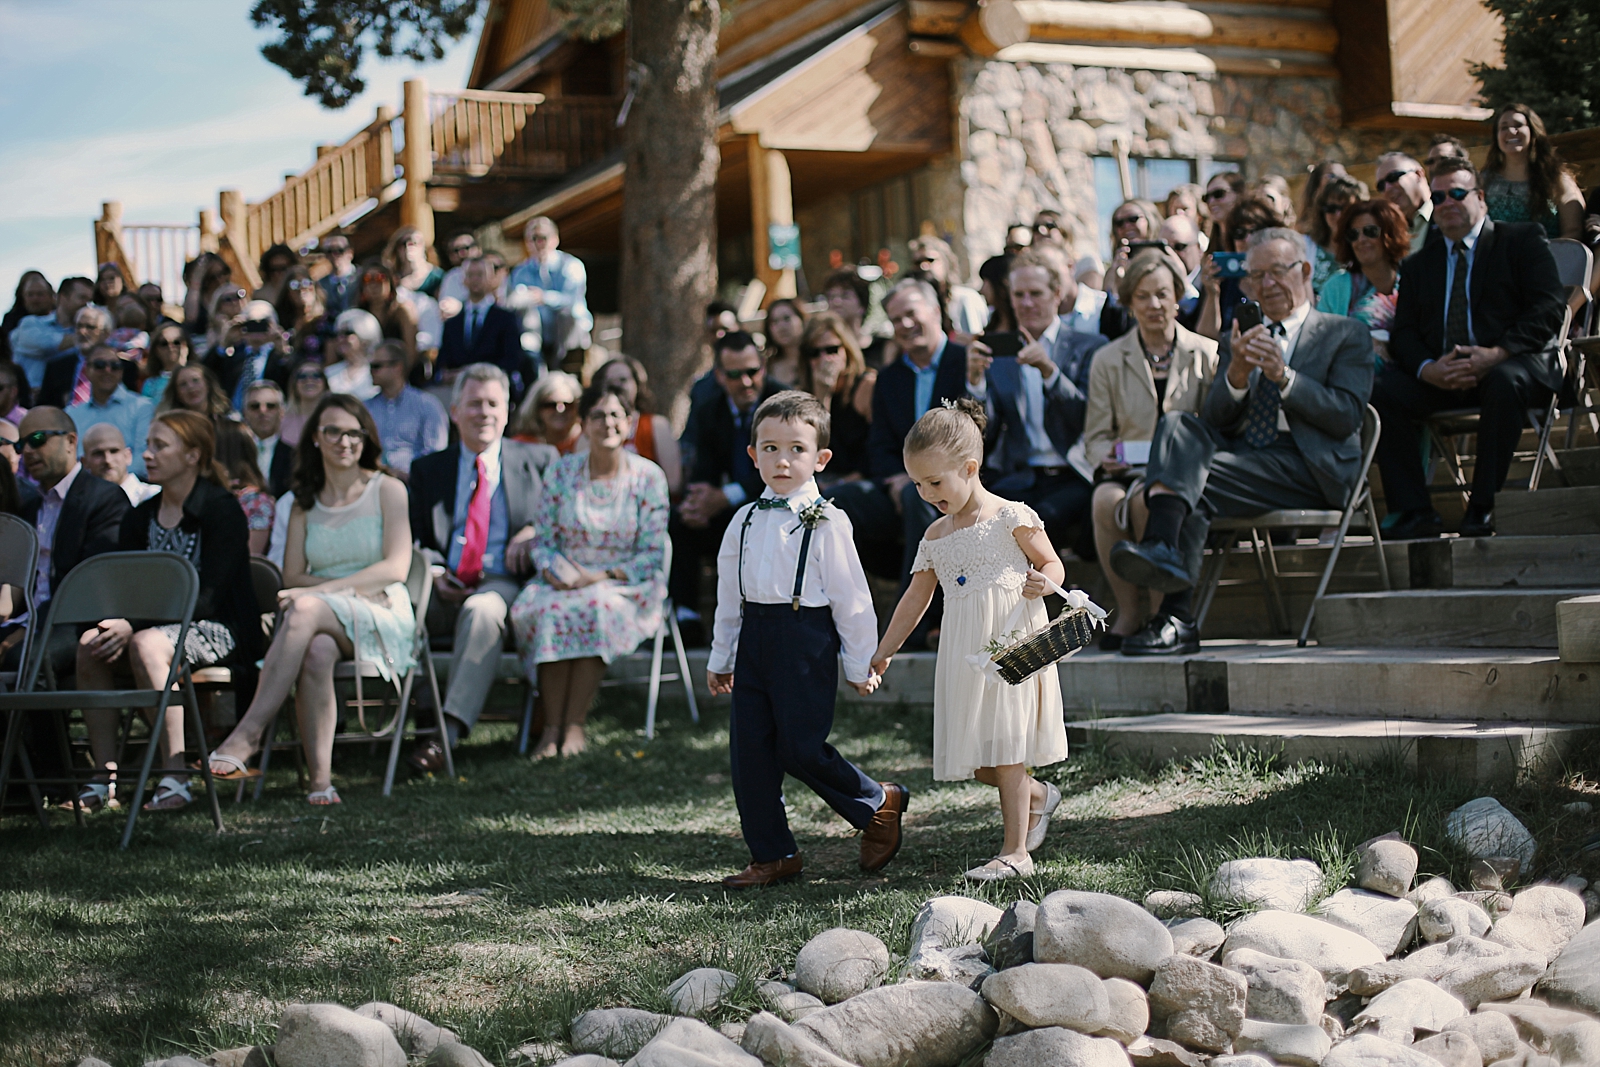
x: 993, y: 25
x: 417, y: 159
x: 380, y: 151
x: 106, y: 232
x: 208, y: 230
x: 771, y: 203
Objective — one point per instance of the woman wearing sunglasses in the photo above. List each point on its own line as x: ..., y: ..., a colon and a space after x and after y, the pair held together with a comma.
x: 836, y: 373
x: 549, y: 413
x: 303, y: 312
x: 1338, y: 192
x: 169, y: 350
x: 308, y: 383
x: 1370, y: 239
x: 344, y: 569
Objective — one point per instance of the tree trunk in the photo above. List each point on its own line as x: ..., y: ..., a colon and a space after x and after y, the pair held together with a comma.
x: 669, y: 225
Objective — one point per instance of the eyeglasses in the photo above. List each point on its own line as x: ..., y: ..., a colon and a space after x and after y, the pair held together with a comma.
x: 374, y: 276
x: 1046, y: 227
x: 1392, y: 177
x: 1333, y: 209
x: 1126, y: 220
x: 740, y: 375
x: 380, y: 364
x: 1179, y: 246
x: 263, y: 405
x: 1454, y: 194
x: 166, y: 342
x: 1279, y: 272
x: 309, y: 376
x: 105, y: 364
x: 336, y: 250
x: 346, y: 332
x: 37, y: 438
x: 1217, y: 194
x: 334, y: 435
x: 8, y: 442
x: 556, y: 405
x: 827, y: 350
x: 1373, y: 232
x: 296, y: 284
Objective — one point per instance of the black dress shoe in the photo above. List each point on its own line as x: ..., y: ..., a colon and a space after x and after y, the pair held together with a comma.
x: 1415, y: 526
x: 1151, y: 565
x: 428, y: 757
x: 1164, y: 635
x: 1478, y: 523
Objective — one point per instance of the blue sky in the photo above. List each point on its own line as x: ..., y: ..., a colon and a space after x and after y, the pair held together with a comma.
x: 159, y: 104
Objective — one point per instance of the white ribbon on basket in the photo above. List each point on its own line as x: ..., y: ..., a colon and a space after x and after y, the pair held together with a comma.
x: 984, y: 663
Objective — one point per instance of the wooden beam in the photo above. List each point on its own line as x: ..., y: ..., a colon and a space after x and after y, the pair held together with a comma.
x: 935, y: 48
x: 1185, y: 60
x: 417, y: 157
x: 937, y: 18
x: 804, y: 19
x: 771, y: 202
x: 1174, y: 23
x: 996, y: 24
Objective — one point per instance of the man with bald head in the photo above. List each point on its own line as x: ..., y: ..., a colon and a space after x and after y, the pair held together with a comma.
x: 107, y: 456
x: 78, y: 515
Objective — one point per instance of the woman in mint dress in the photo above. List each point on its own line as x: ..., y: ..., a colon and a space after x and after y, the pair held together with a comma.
x: 602, y: 563
x: 344, y: 569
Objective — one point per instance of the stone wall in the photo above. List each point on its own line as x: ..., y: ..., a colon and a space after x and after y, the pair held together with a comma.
x: 1028, y: 132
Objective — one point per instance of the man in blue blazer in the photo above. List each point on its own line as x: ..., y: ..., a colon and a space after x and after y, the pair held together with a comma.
x: 483, y: 333
x: 1037, y: 401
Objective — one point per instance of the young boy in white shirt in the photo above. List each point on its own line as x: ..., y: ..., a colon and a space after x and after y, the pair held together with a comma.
x: 791, y: 597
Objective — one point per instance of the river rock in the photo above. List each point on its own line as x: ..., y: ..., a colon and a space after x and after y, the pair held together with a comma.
x: 1577, y: 1044
x: 588, y: 1059
x: 1387, y: 865
x: 314, y: 1035
x: 91, y: 1061
x: 701, y: 990
x: 1282, y: 885
x: 1050, y: 994
x: 787, y: 1001
x: 416, y: 1035
x: 1483, y: 828
x: 1370, y: 1050
x: 1242, y: 1059
x: 774, y: 1041
x: 1196, y: 937
x: 1201, y: 1003
x: 838, y: 964
x: 1010, y: 943
x: 1332, y: 950
x: 1281, y: 991
x: 685, y: 1041
x: 1543, y: 919
x: 1493, y: 901
x: 1493, y: 872
x: 615, y: 1032
x: 1292, y: 1045
x: 966, y: 965
x: 1452, y: 1049
x: 912, y: 1024
x: 1173, y: 904
x: 455, y: 1054
x: 1159, y: 1052
x: 1406, y: 1007
x: 1055, y: 1046
x: 1470, y: 968
x: 1493, y: 1033
x: 1129, y: 1010
x: 1536, y: 1023
x: 1573, y: 979
x: 1432, y: 889
x: 1447, y: 917
x: 941, y: 923
x: 1390, y: 922
x: 1113, y: 937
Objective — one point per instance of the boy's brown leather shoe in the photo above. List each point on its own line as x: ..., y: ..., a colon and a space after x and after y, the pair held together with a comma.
x: 760, y: 875
x: 881, y: 839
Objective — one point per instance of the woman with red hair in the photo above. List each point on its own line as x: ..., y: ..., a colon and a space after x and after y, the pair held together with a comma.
x: 1371, y: 239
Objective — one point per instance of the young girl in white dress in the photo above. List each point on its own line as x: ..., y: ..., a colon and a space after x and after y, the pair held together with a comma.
x: 987, y: 553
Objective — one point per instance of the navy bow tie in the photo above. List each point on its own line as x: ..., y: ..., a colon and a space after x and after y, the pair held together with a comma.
x: 771, y: 503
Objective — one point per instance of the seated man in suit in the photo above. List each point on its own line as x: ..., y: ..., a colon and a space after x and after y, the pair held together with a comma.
x: 485, y: 550
x: 723, y: 475
x: 1037, y: 399
x: 484, y: 332
x: 263, y: 413
x: 1476, y: 326
x: 1280, y: 428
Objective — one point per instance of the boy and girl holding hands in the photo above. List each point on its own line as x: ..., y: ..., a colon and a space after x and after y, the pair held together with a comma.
x: 792, y: 600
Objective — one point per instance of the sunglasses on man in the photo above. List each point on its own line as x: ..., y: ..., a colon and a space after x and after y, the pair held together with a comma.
x: 1393, y: 177
x: 37, y: 438
x: 1458, y: 195
x: 105, y: 364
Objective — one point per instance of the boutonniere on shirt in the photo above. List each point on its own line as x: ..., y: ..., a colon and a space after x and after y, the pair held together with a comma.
x: 815, y: 514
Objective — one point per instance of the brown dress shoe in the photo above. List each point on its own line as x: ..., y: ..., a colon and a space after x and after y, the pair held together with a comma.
x: 428, y: 757
x: 881, y: 839
x: 760, y: 875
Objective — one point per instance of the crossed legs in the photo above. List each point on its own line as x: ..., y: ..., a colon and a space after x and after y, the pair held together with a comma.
x: 566, y: 689
x: 1130, y: 602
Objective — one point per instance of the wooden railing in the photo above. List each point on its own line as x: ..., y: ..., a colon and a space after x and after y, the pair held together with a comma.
x: 152, y: 252
x: 470, y: 129
x: 519, y: 134
x: 311, y: 204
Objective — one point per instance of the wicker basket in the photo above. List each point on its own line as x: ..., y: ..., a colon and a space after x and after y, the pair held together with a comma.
x: 1072, y: 629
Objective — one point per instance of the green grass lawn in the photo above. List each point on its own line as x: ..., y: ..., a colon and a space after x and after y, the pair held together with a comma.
x: 503, y: 903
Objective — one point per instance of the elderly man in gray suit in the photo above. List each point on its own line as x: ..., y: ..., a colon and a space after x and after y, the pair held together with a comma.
x: 1037, y: 400
x: 472, y: 509
x: 1281, y: 428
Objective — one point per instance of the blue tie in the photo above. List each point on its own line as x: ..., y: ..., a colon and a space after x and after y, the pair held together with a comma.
x: 1261, y: 411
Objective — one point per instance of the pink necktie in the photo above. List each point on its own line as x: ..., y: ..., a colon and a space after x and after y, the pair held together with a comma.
x: 470, y: 569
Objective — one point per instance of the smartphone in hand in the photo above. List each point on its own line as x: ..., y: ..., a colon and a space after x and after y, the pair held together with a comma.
x: 1229, y: 264
x: 564, y: 570
x: 1247, y: 315
x: 1002, y: 343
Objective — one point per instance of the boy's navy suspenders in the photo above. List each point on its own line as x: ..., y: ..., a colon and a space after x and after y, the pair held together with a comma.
x: 768, y: 504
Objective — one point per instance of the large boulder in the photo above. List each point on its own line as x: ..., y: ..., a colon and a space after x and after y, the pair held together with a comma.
x: 1050, y: 994
x: 1432, y: 889
x: 1574, y: 976
x: 1446, y: 917
x: 1130, y: 1010
x: 1302, y: 1045
x: 454, y: 1054
x: 772, y: 1040
x: 1174, y: 904
x: 1010, y: 943
x: 838, y: 964
x: 1537, y: 1024
x: 1370, y: 1050
x: 787, y: 1001
x: 946, y: 921
x: 615, y: 1032
x: 1387, y: 865
x: 1201, y: 1003
x: 1113, y: 937
x: 1543, y: 919
x: 1406, y: 1007
x: 1196, y: 937
x: 686, y: 1042
x: 1578, y: 1043
x: 913, y: 1024
x: 1482, y: 828
x: 1469, y: 968
x: 316, y: 1035
x: 1388, y: 922
x: 1281, y: 991
x: 1055, y: 1047
x: 1493, y: 1034
x: 1332, y: 950
x: 416, y: 1035
x: 701, y: 990
x: 1282, y: 885
x: 1451, y: 1049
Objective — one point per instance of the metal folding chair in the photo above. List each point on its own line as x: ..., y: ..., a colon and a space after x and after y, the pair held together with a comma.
x: 19, y: 568
x: 1225, y: 533
x: 360, y: 673
x: 153, y: 587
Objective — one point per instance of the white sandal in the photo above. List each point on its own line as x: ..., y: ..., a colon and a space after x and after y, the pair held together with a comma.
x: 170, y: 795
x: 1007, y: 869
x: 94, y: 796
x: 324, y: 797
x: 1052, y: 801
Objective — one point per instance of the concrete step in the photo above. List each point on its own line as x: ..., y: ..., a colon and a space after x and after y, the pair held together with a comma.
x: 1578, y: 629
x: 1484, y: 754
x: 1547, y: 561
x: 1451, y: 618
x: 1574, y: 510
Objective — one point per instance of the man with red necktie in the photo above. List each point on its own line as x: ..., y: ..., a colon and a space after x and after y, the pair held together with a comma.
x: 472, y: 509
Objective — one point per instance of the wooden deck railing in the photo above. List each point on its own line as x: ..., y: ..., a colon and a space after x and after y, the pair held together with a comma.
x: 152, y: 252
x: 470, y: 129
x: 311, y: 204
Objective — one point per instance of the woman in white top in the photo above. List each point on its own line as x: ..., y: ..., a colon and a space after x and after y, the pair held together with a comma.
x: 356, y: 335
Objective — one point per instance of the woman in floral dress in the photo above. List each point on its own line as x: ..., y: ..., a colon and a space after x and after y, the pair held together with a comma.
x: 602, y: 564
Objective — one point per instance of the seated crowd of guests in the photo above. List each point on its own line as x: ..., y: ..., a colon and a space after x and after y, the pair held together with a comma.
x: 1217, y: 363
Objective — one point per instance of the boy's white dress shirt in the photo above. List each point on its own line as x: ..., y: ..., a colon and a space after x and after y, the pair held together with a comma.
x: 834, y: 578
